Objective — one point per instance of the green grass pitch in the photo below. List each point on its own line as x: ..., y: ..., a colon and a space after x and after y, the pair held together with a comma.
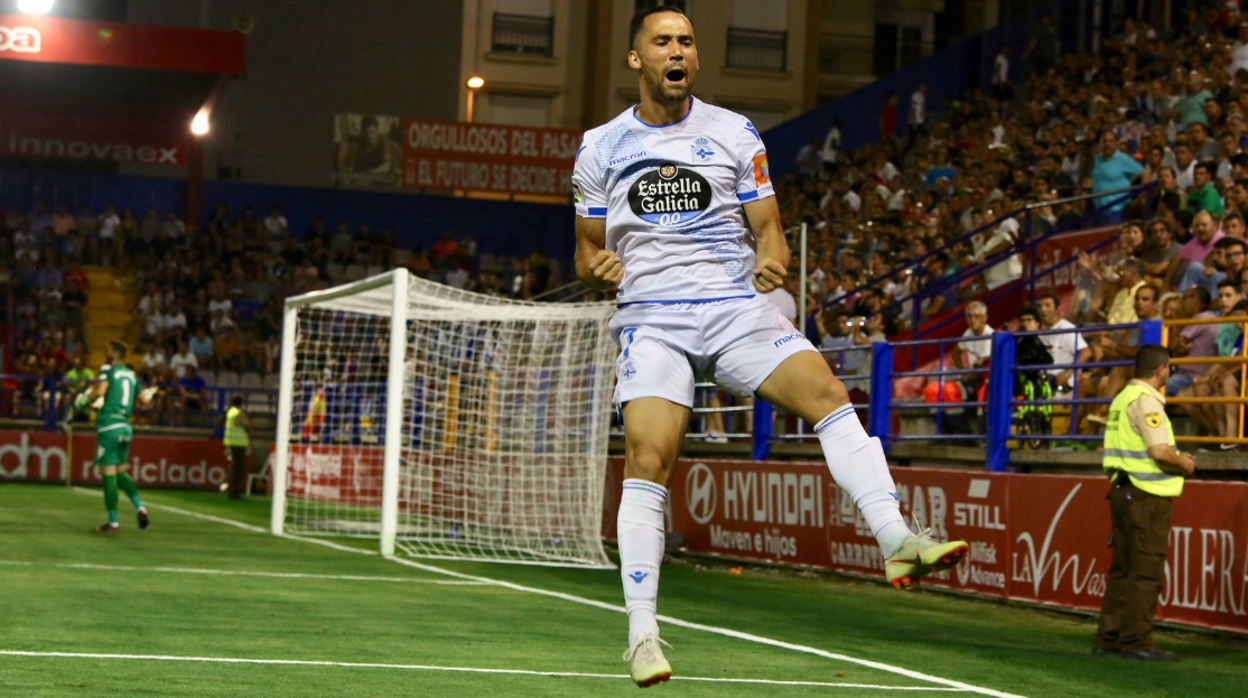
x: 196, y: 606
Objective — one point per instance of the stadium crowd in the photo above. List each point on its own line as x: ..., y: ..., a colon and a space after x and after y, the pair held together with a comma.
x: 1167, y: 109
x: 210, y: 301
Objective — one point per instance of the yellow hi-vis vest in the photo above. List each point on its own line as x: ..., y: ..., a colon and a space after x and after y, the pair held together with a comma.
x: 235, y: 435
x: 1126, y: 450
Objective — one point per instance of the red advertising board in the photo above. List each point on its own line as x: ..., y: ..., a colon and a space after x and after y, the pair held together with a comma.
x: 45, y: 39
x: 1036, y: 538
x: 448, y: 155
x: 42, y: 456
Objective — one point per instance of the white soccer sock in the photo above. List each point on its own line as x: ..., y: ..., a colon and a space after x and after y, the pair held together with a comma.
x: 859, y: 467
x: 640, y: 530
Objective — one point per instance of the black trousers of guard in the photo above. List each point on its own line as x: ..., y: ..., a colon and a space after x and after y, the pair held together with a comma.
x: 238, y: 471
x: 1141, y: 534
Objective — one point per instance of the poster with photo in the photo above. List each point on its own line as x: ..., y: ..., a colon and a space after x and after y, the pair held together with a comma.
x: 367, y: 150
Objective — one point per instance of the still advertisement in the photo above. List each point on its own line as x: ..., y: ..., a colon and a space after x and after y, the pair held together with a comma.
x: 1035, y: 538
x: 154, y: 461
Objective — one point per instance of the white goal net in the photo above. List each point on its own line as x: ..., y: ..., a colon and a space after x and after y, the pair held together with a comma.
x: 445, y: 424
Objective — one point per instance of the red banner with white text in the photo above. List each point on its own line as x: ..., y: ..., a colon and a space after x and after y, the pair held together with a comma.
x: 447, y: 155
x: 1035, y: 538
x: 155, y: 461
x: 49, y: 39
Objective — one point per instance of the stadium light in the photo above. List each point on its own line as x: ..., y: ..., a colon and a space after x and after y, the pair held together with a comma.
x: 35, y: 7
x: 199, y: 125
x: 474, y: 83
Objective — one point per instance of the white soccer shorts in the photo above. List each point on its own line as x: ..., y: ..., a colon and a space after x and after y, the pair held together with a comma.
x: 665, y: 348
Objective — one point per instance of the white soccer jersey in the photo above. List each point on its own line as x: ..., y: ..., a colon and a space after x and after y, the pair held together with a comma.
x: 672, y: 196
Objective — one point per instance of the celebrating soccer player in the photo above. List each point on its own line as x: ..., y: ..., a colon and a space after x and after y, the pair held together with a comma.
x: 118, y: 388
x: 675, y: 206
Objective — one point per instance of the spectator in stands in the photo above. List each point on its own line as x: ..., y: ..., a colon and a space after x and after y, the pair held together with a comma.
x: 275, y: 223
x: 1191, y: 108
x: 1002, y: 90
x: 201, y: 346
x: 182, y: 359
x: 174, y: 228
x: 1112, y: 169
x: 445, y: 249
x: 944, y: 291
x: 227, y: 349
x: 1205, y: 196
x: 996, y: 241
x: 1160, y: 255
x: 888, y: 118
x: 975, y: 353
x: 1130, y: 280
x: 1222, y: 380
x: 1065, y: 347
x: 1124, y: 346
x: 193, y: 390
x: 1194, y: 341
x: 154, y: 357
x: 1204, y: 236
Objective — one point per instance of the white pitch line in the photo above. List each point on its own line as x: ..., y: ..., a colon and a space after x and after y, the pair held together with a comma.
x: 454, y: 669
x: 726, y: 632
x: 247, y: 573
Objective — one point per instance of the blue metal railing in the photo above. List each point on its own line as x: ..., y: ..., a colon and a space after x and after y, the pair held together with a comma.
x: 1002, y: 402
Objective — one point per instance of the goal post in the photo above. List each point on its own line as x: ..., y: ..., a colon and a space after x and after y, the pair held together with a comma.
x: 443, y: 423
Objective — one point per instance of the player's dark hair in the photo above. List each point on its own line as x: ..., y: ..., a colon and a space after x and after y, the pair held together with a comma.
x: 237, y: 401
x: 119, y: 348
x: 1150, y: 359
x: 639, y: 21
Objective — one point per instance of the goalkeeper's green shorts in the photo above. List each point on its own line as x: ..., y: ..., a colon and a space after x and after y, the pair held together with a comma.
x: 112, y: 445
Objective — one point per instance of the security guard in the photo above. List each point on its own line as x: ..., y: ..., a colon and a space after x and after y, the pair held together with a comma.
x: 1147, y: 472
x: 237, y: 443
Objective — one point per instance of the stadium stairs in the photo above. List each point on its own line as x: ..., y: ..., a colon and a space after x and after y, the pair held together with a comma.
x: 110, y: 315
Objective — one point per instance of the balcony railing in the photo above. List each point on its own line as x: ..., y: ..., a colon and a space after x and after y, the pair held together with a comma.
x: 526, y: 35
x: 755, y: 49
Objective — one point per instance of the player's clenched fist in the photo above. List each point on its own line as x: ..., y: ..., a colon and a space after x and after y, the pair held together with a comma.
x: 606, y: 268
x: 769, y: 275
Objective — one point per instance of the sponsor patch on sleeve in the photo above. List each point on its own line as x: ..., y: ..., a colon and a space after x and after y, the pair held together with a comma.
x: 762, y: 171
x: 1154, y: 419
x: 576, y: 194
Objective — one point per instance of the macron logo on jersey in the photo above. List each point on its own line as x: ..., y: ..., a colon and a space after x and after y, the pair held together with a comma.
x: 750, y: 127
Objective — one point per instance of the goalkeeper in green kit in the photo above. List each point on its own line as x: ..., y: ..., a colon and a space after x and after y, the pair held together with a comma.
x: 114, y: 396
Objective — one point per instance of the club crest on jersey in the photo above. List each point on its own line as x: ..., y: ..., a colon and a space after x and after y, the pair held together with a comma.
x: 670, y: 195
x: 701, y: 150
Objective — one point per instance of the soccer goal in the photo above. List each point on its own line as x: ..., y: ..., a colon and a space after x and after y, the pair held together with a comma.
x: 444, y: 423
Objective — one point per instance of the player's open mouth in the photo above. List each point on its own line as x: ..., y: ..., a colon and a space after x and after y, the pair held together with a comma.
x: 675, y: 75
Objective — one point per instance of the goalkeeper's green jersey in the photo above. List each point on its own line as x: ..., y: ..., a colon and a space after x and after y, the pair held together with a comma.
x: 123, y: 388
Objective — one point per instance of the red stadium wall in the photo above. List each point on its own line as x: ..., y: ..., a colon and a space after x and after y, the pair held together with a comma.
x: 154, y: 461
x: 1035, y: 538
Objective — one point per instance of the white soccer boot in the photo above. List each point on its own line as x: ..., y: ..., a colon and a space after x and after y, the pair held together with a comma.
x: 649, y: 666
